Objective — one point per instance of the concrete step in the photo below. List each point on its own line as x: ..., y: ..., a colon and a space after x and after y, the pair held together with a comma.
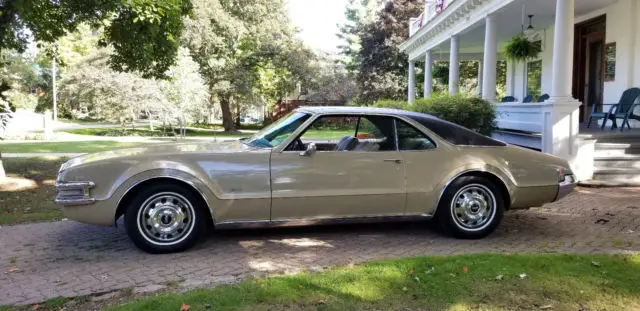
x: 620, y: 161
x: 603, y: 184
x: 616, y: 149
x: 620, y: 175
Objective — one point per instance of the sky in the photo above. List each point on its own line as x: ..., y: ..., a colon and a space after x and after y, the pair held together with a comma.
x: 318, y: 21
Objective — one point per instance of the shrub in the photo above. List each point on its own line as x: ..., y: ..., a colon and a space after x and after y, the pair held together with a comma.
x: 393, y: 104
x: 469, y: 111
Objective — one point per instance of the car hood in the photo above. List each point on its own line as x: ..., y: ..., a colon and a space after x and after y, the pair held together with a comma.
x: 161, y: 149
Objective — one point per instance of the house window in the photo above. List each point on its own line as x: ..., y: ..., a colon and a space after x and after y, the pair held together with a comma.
x: 534, y: 78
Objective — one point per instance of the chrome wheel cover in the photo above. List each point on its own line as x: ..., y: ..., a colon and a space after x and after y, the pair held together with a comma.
x: 166, y: 218
x: 473, y: 207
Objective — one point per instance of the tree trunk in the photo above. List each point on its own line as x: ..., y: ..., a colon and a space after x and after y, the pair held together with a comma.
x: 227, y: 117
x: 2, y: 172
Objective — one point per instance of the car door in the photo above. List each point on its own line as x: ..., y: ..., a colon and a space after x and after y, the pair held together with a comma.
x: 425, y: 163
x: 365, y: 178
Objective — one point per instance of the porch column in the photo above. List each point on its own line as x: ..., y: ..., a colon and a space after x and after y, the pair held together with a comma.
x: 490, y: 61
x: 562, y: 68
x: 560, y: 115
x: 412, y: 82
x: 428, y: 80
x: 480, y: 78
x: 454, y: 67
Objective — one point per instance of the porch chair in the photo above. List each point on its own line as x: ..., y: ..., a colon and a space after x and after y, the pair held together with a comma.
x: 527, y: 99
x: 543, y: 98
x: 508, y: 99
x: 622, y: 110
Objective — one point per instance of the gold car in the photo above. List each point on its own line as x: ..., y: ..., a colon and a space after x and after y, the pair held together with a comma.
x: 317, y: 165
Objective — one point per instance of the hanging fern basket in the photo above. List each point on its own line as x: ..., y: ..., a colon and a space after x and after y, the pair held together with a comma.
x: 520, y: 48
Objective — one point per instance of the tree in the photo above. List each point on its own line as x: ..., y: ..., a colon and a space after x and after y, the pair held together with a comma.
x: 144, y: 34
x: 185, y: 90
x: 383, y: 68
x: 114, y: 96
x: 358, y: 13
x: 240, y: 43
x: 332, y: 80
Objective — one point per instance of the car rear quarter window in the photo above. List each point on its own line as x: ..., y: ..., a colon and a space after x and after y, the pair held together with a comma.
x: 412, y: 139
x: 455, y: 134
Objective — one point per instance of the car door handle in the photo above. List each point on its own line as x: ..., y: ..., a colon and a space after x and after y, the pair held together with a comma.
x: 393, y: 160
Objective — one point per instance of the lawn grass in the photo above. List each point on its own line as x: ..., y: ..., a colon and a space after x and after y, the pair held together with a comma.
x: 147, y: 132
x: 464, y: 282
x: 65, y: 146
x: 28, y: 194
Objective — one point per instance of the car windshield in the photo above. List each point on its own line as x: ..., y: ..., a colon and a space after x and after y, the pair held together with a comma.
x: 279, y: 131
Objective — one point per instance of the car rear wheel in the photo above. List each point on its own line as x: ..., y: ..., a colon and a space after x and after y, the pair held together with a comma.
x: 165, y: 218
x: 470, y: 208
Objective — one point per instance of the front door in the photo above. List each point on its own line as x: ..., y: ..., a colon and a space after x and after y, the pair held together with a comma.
x: 594, y: 74
x: 588, y: 76
x: 355, y: 172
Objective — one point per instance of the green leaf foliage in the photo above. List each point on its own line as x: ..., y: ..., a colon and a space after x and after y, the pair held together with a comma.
x: 520, y: 48
x: 144, y: 34
x: 469, y: 111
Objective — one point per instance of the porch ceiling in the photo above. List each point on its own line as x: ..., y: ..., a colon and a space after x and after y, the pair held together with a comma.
x: 509, y: 19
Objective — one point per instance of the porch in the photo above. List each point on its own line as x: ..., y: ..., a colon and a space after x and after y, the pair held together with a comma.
x: 588, y: 59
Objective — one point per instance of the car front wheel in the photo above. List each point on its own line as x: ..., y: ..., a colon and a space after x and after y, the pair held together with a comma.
x: 471, y: 208
x: 165, y: 218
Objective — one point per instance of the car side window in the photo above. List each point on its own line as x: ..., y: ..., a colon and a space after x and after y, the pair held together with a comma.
x: 412, y: 139
x: 348, y: 133
x: 328, y: 131
x: 375, y: 133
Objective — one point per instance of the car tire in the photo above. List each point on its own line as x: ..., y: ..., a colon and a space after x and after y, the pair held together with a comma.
x: 165, y: 218
x: 471, y: 207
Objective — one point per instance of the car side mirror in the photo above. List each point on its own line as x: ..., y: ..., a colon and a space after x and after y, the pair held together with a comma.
x: 311, y: 150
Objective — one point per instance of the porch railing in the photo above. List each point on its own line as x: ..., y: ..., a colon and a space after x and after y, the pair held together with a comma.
x: 431, y: 10
x: 520, y: 123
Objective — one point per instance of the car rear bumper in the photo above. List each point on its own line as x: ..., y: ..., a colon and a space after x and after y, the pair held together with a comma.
x: 566, y: 187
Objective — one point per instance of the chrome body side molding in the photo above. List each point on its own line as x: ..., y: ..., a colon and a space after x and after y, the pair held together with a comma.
x: 240, y: 224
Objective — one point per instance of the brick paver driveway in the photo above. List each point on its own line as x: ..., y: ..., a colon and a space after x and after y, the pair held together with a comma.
x: 70, y: 259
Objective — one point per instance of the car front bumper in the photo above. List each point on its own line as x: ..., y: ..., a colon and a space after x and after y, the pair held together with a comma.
x: 74, y: 193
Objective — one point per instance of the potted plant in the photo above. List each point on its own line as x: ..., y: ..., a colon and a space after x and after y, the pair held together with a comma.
x: 520, y: 48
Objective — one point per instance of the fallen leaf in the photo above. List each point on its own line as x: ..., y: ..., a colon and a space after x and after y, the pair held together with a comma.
x: 522, y: 276
x: 417, y: 279
x: 300, y: 286
x: 35, y: 307
x: 595, y: 264
x: 545, y: 307
x: 405, y: 289
x: 411, y: 272
x: 320, y: 301
x: 500, y: 277
x: 452, y: 275
x: 185, y: 307
x: 431, y: 270
x: 14, y: 270
x: 465, y: 269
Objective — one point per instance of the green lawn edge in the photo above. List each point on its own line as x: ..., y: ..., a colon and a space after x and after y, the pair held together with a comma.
x: 462, y: 282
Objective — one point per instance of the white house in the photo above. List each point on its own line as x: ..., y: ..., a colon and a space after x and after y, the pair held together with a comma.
x: 590, y: 56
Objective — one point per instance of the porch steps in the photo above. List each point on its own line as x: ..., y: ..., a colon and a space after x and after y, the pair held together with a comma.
x: 629, y: 176
x: 616, y: 161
